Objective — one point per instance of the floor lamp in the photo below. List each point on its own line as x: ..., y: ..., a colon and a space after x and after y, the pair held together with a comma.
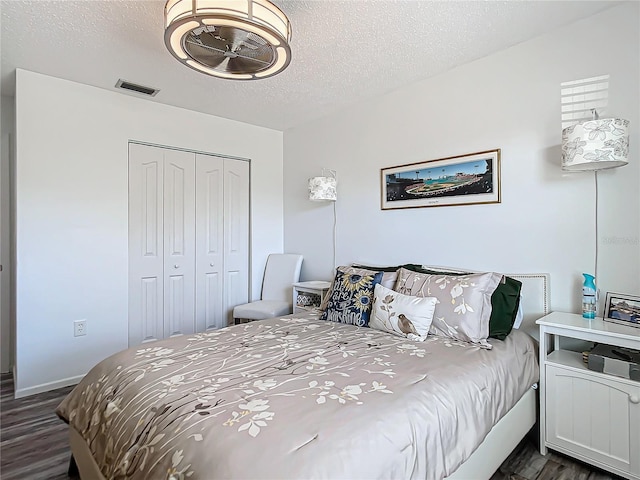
x: 594, y: 145
x: 324, y: 188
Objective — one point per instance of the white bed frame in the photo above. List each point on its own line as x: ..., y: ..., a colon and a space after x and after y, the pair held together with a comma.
x: 497, y: 445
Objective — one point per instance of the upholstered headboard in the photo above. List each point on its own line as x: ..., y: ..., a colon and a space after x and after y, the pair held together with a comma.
x: 534, y: 299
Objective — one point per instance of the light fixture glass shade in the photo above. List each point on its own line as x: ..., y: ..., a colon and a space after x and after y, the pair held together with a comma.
x: 233, y: 39
x: 595, y: 145
x: 323, y: 188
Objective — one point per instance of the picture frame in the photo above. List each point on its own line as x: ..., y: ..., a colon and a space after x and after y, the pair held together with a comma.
x: 469, y: 179
x: 622, y: 308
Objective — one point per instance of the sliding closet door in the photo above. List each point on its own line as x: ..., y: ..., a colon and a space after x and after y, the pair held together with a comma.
x: 209, y: 242
x: 146, y: 244
x: 236, y: 235
x: 179, y: 242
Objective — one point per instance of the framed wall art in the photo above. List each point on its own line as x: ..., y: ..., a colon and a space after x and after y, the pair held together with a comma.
x: 622, y: 308
x: 462, y: 180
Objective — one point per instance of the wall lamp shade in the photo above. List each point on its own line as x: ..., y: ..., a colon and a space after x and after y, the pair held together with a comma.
x: 595, y: 145
x: 323, y: 188
x: 233, y: 39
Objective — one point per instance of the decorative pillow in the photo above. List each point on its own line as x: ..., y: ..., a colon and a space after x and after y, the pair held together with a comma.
x: 505, y: 302
x: 401, y: 314
x: 441, y: 270
x: 390, y: 274
x: 351, y: 298
x: 464, y: 302
x: 388, y: 279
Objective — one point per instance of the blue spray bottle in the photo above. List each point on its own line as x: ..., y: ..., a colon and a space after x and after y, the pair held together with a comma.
x: 589, y: 297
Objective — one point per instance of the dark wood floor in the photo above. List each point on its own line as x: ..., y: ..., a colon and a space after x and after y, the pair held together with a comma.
x: 526, y: 463
x: 34, y: 445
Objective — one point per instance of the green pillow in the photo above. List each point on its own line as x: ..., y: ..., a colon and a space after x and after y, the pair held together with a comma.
x: 504, y: 307
x: 504, y: 303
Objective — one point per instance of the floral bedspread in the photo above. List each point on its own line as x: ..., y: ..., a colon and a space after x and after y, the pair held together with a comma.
x: 296, y: 398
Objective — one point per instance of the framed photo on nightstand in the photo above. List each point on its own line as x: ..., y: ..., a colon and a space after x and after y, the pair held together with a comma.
x: 623, y: 309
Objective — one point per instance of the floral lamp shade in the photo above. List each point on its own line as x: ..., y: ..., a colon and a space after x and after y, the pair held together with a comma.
x: 323, y: 188
x: 595, y: 145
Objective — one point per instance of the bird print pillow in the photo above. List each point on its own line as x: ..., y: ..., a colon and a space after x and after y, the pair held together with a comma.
x: 402, y: 315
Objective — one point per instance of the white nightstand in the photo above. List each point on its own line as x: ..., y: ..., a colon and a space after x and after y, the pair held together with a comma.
x: 589, y: 415
x: 308, y: 296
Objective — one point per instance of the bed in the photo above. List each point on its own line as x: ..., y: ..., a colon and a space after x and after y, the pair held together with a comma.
x: 301, y: 397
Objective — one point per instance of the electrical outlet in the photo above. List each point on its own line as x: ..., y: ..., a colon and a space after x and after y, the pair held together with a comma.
x: 79, y: 328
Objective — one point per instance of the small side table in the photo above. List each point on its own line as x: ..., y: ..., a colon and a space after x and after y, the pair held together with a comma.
x: 589, y: 415
x: 308, y: 296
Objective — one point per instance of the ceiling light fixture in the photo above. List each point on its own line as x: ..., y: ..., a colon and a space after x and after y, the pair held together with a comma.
x: 233, y: 39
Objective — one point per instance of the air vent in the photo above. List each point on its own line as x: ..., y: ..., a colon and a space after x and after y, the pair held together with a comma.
x: 134, y: 87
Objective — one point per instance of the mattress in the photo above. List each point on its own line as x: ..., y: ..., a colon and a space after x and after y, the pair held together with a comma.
x: 296, y: 398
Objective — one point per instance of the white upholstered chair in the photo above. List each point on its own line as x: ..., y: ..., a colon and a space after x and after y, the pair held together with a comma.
x: 281, y: 272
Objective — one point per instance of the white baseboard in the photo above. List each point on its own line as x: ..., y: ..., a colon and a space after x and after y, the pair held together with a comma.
x: 45, y: 387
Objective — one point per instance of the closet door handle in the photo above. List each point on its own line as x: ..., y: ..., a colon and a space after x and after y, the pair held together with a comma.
x: 176, y: 266
x: 212, y: 264
x: 634, y: 399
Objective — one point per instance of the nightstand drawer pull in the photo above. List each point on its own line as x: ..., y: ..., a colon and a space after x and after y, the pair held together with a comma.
x: 634, y: 398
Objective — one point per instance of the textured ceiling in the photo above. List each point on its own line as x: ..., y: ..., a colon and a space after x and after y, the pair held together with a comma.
x: 343, y: 51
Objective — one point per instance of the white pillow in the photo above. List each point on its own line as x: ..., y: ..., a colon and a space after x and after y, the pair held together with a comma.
x: 400, y: 314
x: 519, y: 315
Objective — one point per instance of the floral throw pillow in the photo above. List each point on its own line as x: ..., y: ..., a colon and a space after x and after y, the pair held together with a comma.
x: 351, y: 298
x: 464, y: 302
x: 402, y: 315
x: 388, y: 279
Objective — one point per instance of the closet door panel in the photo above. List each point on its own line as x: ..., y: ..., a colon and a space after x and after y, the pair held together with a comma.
x: 179, y: 242
x: 209, y: 242
x: 146, y: 244
x: 236, y: 234
x: 149, y: 325
x: 175, y: 311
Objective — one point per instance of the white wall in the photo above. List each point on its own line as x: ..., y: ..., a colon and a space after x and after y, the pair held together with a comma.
x: 71, y: 214
x: 511, y: 101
